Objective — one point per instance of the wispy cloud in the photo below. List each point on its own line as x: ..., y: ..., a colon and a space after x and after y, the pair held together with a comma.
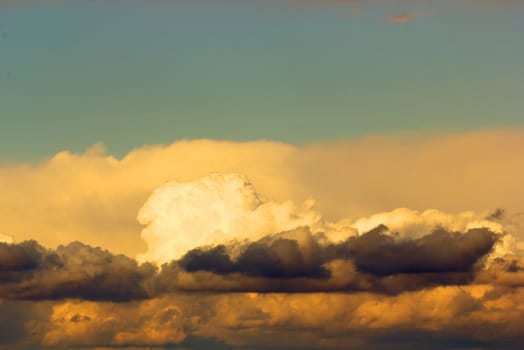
x: 405, y: 17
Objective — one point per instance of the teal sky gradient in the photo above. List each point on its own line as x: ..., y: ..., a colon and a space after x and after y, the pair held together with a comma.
x: 128, y: 73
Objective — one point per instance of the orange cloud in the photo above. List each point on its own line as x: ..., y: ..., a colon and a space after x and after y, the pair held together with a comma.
x: 95, y: 197
x: 405, y: 17
x: 481, y: 314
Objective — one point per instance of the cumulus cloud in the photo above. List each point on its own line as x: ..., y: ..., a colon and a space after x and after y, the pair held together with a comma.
x: 149, y: 323
x: 288, y: 255
x: 226, y: 209
x: 374, y: 262
x: 217, y: 234
x: 184, y: 215
x: 29, y: 271
x: 94, y: 197
x: 373, y: 252
x: 351, y: 269
x: 294, y: 261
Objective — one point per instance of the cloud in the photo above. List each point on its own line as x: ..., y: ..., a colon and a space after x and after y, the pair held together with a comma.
x: 212, y: 209
x: 434, y: 318
x: 405, y: 17
x: 289, y: 255
x: 28, y: 271
x: 373, y: 262
x: 401, y: 288
x: 373, y: 252
x: 94, y: 197
x: 355, y: 268
x: 440, y: 251
x: 294, y: 261
x: 217, y: 234
x: 149, y: 323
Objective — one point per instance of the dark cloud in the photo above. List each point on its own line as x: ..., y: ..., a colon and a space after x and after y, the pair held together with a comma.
x: 376, y: 261
x: 439, y: 252
x: 376, y: 253
x: 278, y: 258
x: 13, y: 315
x: 30, y: 272
x: 25, y: 256
x: 507, y: 271
x: 294, y: 261
x: 498, y: 214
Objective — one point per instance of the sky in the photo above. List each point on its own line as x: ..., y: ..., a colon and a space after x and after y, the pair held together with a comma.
x: 129, y: 73
x: 261, y: 174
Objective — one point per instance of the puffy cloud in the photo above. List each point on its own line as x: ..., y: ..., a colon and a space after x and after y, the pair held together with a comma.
x: 83, y: 324
x: 94, y: 197
x: 440, y: 251
x: 292, y: 261
x: 184, y: 215
x: 220, y: 208
x: 437, y: 317
x: 374, y: 262
x: 216, y: 234
x: 434, y: 318
x: 288, y: 255
x: 433, y: 279
x: 409, y: 223
x: 507, y: 271
x: 28, y: 271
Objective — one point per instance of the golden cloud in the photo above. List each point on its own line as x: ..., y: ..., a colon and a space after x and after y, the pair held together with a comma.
x: 94, y: 197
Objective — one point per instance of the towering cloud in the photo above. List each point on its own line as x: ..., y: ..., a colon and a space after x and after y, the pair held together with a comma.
x: 226, y: 209
x: 210, y: 210
x: 29, y: 271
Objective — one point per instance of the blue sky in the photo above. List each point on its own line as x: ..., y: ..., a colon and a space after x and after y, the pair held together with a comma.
x: 73, y: 73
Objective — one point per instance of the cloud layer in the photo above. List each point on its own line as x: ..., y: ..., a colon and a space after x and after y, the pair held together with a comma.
x: 224, y: 266
x: 94, y: 197
x: 215, y: 234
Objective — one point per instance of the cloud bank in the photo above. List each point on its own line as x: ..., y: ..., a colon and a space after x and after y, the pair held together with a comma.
x: 235, y: 253
x: 215, y: 234
x: 94, y: 197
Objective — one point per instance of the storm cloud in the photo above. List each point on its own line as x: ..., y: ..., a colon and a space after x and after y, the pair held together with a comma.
x: 291, y: 261
x: 29, y: 271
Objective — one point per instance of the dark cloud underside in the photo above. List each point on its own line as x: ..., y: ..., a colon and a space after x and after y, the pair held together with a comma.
x: 374, y: 262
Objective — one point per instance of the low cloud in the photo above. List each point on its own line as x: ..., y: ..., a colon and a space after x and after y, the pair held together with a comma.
x: 28, y: 271
x: 374, y: 262
x: 217, y: 234
x: 288, y: 255
x: 296, y: 261
x: 441, y: 317
x: 270, y: 268
x: 439, y: 252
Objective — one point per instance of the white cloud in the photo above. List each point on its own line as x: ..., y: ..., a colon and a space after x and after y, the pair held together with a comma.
x: 181, y: 216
